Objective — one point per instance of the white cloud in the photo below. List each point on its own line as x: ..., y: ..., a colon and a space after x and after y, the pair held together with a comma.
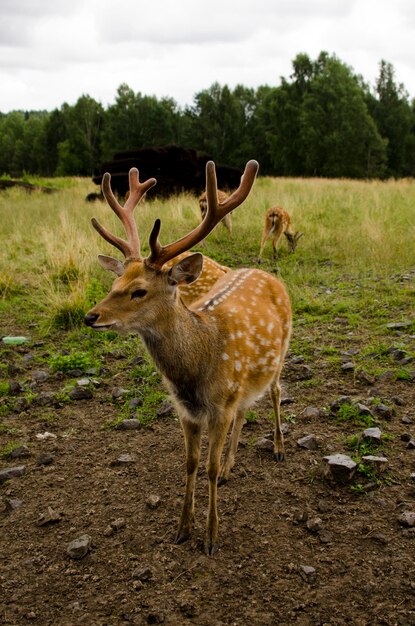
x: 53, y: 51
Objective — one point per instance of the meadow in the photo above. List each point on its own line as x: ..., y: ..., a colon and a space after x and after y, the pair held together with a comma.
x: 294, y: 547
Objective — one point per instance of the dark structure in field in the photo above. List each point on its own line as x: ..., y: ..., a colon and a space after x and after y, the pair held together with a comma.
x: 176, y: 169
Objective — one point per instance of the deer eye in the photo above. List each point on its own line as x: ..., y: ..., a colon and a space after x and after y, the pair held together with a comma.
x: 138, y: 293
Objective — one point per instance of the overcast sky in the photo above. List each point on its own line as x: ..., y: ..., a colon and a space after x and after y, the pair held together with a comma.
x: 54, y: 51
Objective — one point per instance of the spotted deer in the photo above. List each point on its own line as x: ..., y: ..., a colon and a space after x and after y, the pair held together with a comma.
x: 211, y: 272
x: 222, y: 196
x: 278, y: 222
x: 218, y: 355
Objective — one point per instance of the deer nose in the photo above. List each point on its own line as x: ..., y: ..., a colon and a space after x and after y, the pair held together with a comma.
x: 90, y: 319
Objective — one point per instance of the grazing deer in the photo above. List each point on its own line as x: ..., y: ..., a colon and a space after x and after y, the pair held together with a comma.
x: 278, y: 222
x: 216, y: 356
x: 222, y: 196
x: 211, y: 272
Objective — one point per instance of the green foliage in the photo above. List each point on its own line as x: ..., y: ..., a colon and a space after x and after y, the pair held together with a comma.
x: 321, y: 121
x: 67, y: 362
x: 4, y: 388
x: 348, y: 412
x: 6, y: 451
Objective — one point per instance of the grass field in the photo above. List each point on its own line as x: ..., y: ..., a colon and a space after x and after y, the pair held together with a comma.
x: 358, y: 243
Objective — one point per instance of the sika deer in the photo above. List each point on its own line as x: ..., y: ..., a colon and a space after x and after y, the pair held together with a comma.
x: 222, y: 196
x: 212, y: 271
x: 218, y: 355
x: 278, y: 222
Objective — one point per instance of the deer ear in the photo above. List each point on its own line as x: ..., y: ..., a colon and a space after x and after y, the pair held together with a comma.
x: 187, y: 270
x: 111, y: 264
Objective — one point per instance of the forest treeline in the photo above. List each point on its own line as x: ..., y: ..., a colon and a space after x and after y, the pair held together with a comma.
x: 323, y: 120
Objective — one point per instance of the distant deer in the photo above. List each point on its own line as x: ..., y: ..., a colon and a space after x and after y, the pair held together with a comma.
x: 277, y: 223
x: 211, y: 272
x: 222, y: 196
x: 217, y: 356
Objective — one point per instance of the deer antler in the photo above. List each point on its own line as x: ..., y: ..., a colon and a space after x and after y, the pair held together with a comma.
x: 131, y: 247
x: 215, y: 212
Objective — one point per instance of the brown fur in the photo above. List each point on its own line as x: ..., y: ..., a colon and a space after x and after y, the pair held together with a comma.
x: 277, y: 222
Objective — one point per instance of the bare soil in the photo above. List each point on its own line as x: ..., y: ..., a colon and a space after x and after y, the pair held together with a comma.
x: 295, y: 547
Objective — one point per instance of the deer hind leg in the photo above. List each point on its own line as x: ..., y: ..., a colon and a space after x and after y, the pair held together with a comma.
x: 192, y: 435
x: 229, y: 459
x: 227, y: 222
x: 217, y: 431
x: 275, y: 240
x: 275, y: 391
x: 267, y: 233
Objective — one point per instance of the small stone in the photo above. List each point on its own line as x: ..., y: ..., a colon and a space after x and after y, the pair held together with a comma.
x: 123, y: 459
x: 143, y: 574
x: 337, y: 403
x: 301, y: 371
x: 45, y: 435
x: 40, y: 376
x: 363, y: 409
x: 118, y: 523
x: 398, y: 400
x: 11, y: 472
x: 21, y: 451
x: 119, y: 392
x: 308, y: 442
x: 307, y: 573
x: 264, y: 444
x: 49, y: 516
x: 374, y: 434
x: 311, y: 412
x: 411, y: 444
x: 287, y: 400
x: 365, y: 378
x: 80, y: 393
x: 384, y: 411
x: 14, y: 503
x: 135, y: 402
x: 406, y: 420
x: 108, y: 531
x: 78, y: 548
x: 340, y: 467
x: 46, y: 398
x: 45, y: 459
x: 166, y: 409
x: 398, y: 325
x: 153, y: 501
x: 129, y: 424
x: 348, y: 367
x: 407, y: 518
x: 83, y: 382
x: 15, y: 388
x: 379, y: 462
x: 314, y: 524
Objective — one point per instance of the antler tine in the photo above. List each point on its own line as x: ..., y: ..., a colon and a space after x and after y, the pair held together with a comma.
x: 131, y: 247
x: 215, y: 212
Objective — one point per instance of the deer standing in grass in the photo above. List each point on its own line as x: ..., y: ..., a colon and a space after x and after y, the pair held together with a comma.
x: 222, y: 196
x: 217, y: 356
x: 278, y: 222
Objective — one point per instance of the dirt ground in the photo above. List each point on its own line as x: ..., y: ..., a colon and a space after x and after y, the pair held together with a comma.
x: 295, y: 547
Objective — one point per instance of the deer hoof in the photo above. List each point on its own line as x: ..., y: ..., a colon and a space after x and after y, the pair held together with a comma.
x: 279, y: 456
x: 182, y: 536
x: 211, y: 548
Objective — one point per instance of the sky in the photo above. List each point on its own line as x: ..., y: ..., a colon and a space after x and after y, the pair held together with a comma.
x: 55, y: 51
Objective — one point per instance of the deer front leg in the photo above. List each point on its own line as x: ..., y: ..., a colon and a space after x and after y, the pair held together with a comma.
x: 217, y: 431
x: 192, y: 435
x: 275, y: 391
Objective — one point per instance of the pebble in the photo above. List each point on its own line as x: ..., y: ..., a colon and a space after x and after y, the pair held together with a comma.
x: 129, y: 424
x: 340, y: 467
x: 78, y: 548
x: 308, y: 442
x: 153, y: 501
x: 11, y: 472
x: 80, y: 393
x: 407, y: 518
x: 373, y: 434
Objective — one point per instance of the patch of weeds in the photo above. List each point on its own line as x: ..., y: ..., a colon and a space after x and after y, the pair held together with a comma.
x: 9, y: 286
x: 311, y: 382
x: 290, y: 419
x: 68, y: 362
x: 68, y: 315
x: 351, y: 413
x: 358, y: 488
x: 8, y: 449
x: 404, y: 374
x: 152, y: 399
x: 8, y: 430
x: 251, y: 417
x: 4, y: 388
x: 67, y: 274
x: 94, y: 292
x: 362, y: 446
x: 114, y: 423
